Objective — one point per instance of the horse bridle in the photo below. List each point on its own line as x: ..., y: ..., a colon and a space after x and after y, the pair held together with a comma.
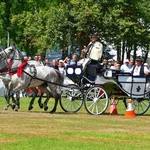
x: 6, y: 56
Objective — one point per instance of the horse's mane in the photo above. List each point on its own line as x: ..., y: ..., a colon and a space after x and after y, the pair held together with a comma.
x: 18, y: 54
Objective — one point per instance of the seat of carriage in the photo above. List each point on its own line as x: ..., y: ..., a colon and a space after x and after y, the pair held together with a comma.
x: 77, y: 71
x: 135, y: 86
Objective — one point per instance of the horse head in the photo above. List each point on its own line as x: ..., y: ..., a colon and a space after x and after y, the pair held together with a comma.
x: 13, y: 57
x: 7, y: 53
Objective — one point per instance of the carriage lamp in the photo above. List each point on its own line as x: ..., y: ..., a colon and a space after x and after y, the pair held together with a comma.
x: 78, y: 71
x: 74, y: 70
x: 70, y: 71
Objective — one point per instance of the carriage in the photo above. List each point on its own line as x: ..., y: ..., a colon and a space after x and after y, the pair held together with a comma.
x: 96, y: 89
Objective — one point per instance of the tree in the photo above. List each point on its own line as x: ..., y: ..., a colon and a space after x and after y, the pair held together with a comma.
x: 44, y: 24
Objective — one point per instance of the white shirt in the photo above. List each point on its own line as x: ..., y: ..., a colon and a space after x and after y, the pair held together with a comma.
x: 61, y: 70
x: 136, y: 71
x: 125, y: 68
x: 95, y: 51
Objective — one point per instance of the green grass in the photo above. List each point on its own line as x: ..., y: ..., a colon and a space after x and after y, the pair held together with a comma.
x: 38, y: 130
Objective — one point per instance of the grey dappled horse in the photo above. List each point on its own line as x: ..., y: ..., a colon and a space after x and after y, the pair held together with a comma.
x: 46, y: 78
x: 6, y: 79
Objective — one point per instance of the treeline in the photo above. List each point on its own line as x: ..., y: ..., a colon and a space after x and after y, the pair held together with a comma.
x: 38, y: 25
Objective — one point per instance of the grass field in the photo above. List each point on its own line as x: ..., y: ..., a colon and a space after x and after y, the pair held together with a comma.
x: 37, y: 130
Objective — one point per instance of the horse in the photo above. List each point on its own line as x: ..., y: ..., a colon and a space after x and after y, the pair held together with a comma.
x: 5, y: 79
x: 46, y: 78
x: 15, y: 60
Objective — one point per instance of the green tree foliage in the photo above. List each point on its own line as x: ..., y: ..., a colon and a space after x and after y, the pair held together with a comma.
x: 40, y: 25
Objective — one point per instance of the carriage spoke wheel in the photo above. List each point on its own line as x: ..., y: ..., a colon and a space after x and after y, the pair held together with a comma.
x: 96, y: 101
x: 141, y: 105
x: 71, y: 99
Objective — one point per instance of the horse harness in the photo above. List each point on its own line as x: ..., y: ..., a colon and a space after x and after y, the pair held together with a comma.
x: 32, y: 74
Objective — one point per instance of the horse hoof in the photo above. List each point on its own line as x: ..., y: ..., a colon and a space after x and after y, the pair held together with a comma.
x: 52, y: 111
x: 15, y: 109
x: 30, y: 108
x: 13, y: 106
x: 41, y: 106
x: 5, y: 108
x: 46, y: 108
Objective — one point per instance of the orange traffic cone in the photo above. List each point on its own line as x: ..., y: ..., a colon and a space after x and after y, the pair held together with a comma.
x: 113, y: 108
x: 130, y: 111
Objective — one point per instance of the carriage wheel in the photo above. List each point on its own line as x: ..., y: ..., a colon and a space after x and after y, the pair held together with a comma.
x: 71, y: 99
x: 140, y: 105
x: 96, y: 101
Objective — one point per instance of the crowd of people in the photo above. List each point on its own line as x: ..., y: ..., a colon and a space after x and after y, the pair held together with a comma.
x: 94, y: 52
x: 139, y: 68
x: 55, y: 63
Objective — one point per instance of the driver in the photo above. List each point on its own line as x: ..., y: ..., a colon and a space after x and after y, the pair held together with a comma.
x: 94, y: 49
x: 93, y: 53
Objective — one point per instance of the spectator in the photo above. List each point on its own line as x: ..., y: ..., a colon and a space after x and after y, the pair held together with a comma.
x: 36, y: 58
x: 146, y: 65
x: 110, y: 63
x: 46, y: 62
x: 54, y: 64
x: 25, y: 58
x: 40, y: 60
x: 29, y: 58
x: 131, y: 64
x: 67, y: 61
x: 115, y: 66
x: 61, y: 67
x: 125, y: 67
x: 74, y: 59
x: 105, y: 64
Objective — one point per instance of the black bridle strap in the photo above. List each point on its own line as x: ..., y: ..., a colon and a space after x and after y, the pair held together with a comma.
x: 66, y: 86
x: 5, y: 54
x: 3, y: 70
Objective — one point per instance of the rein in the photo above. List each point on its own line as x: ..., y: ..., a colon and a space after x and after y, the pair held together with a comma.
x: 5, y: 54
x: 67, y: 86
x: 3, y: 70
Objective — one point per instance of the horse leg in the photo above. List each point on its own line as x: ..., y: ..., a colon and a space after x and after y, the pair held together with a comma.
x: 16, y: 101
x: 7, y: 97
x: 40, y: 100
x: 48, y: 95
x: 33, y: 98
x: 44, y: 89
x: 57, y: 98
x: 45, y: 103
x: 13, y: 102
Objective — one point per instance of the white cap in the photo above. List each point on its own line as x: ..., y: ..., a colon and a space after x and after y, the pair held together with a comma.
x: 127, y: 60
x: 110, y: 60
x: 61, y: 61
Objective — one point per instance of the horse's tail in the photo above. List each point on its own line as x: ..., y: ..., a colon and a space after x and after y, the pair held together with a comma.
x: 60, y: 76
